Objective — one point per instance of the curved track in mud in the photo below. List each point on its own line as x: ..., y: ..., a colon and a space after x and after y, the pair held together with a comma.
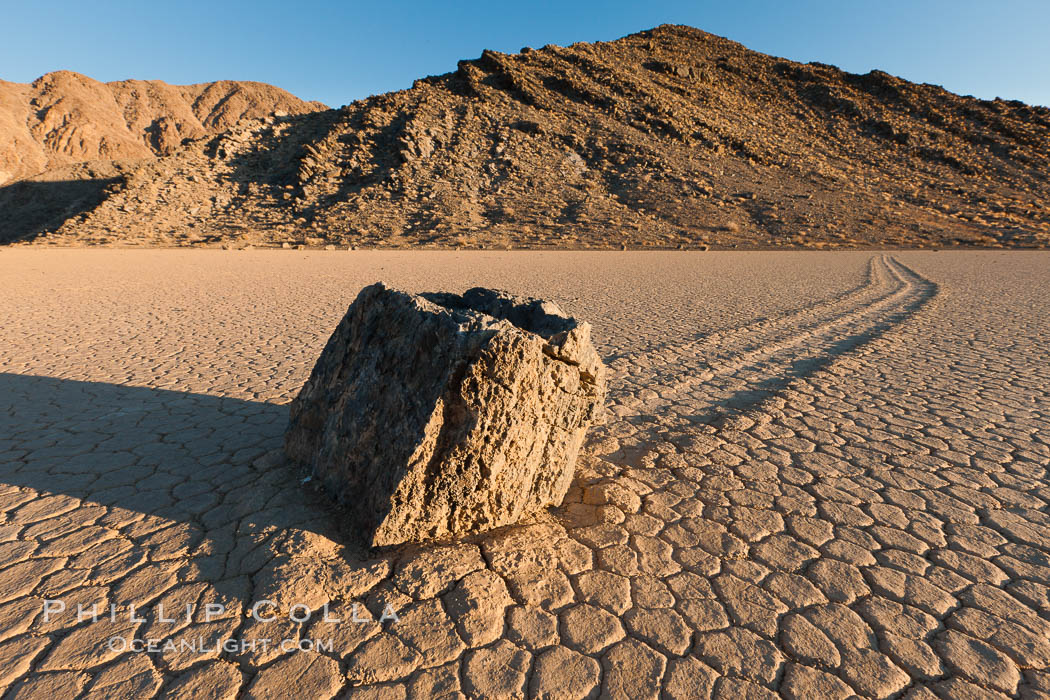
x: 717, y: 376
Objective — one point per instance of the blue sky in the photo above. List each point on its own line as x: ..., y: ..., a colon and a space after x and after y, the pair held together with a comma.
x: 336, y: 52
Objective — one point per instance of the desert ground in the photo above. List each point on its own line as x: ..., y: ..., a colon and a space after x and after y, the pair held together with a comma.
x: 820, y: 475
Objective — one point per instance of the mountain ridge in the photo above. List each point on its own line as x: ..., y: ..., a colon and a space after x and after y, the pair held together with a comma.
x: 667, y: 138
x: 63, y: 118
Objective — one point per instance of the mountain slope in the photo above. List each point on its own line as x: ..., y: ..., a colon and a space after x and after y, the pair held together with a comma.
x: 670, y: 137
x: 64, y: 118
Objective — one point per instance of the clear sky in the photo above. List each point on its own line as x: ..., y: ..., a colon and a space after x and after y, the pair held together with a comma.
x: 337, y: 52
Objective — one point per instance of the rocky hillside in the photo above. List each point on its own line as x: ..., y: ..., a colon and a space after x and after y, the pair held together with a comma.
x: 667, y: 138
x: 64, y: 118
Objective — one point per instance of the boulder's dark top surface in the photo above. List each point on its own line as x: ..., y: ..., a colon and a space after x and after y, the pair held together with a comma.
x: 543, y: 318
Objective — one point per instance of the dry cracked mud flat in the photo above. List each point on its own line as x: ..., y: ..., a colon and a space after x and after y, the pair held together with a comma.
x: 822, y: 475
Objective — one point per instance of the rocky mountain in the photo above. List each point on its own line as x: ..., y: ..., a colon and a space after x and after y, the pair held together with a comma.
x: 667, y: 138
x: 64, y: 118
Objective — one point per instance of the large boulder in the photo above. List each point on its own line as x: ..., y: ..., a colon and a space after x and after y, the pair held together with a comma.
x: 437, y: 415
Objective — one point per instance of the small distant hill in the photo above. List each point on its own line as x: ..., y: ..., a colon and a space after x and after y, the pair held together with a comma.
x: 668, y: 138
x: 64, y: 118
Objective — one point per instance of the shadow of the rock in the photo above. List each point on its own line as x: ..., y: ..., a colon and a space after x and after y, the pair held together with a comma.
x: 183, y: 477
x: 96, y: 441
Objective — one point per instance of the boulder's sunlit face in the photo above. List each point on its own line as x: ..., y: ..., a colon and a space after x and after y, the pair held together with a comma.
x: 439, y: 416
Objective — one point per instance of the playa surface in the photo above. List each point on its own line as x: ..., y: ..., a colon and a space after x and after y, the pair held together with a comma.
x: 821, y: 475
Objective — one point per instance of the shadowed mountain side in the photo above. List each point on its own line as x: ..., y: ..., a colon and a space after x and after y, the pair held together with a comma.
x: 669, y: 137
x: 31, y: 207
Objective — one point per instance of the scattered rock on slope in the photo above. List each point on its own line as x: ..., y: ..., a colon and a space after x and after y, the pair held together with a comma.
x: 439, y: 415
